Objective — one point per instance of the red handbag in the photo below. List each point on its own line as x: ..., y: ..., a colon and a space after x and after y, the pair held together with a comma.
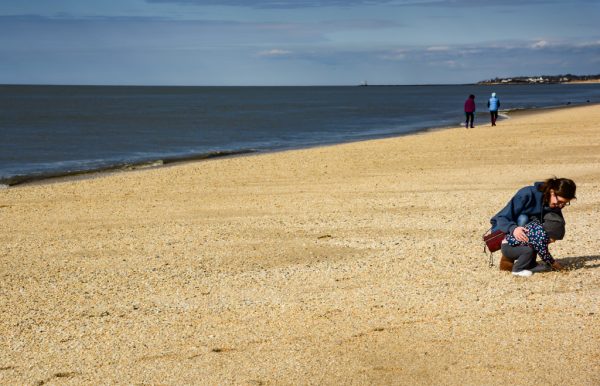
x: 493, y: 242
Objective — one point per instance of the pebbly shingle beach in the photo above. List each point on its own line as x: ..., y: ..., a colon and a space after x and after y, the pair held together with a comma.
x: 358, y: 263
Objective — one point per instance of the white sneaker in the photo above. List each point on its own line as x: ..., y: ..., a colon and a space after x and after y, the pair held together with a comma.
x: 523, y: 273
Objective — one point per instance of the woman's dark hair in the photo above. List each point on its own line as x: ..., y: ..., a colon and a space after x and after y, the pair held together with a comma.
x: 472, y: 96
x: 563, y: 187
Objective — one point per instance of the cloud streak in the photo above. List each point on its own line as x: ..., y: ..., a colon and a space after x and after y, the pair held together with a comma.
x: 296, y: 4
x: 274, y: 53
x: 278, y: 4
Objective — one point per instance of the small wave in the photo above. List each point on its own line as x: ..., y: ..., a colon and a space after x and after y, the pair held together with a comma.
x: 201, y: 156
x: 115, y: 167
x: 143, y: 165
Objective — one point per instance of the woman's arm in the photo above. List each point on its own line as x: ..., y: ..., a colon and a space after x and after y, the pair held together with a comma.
x: 506, y: 219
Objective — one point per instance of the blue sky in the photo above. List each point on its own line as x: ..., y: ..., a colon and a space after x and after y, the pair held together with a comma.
x: 284, y: 42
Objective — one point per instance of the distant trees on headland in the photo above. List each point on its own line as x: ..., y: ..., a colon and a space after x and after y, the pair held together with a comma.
x: 568, y: 78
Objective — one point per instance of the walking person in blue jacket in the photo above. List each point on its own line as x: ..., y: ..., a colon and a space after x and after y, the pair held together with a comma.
x: 533, y: 202
x: 493, y: 104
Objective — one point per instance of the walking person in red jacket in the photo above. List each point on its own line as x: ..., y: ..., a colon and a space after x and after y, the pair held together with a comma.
x: 470, y: 111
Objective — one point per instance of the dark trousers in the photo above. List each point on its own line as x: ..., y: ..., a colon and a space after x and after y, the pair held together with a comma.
x: 494, y: 117
x: 470, y: 119
x: 522, y: 256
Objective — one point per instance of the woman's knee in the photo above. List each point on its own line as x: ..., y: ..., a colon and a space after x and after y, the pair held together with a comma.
x: 516, y: 252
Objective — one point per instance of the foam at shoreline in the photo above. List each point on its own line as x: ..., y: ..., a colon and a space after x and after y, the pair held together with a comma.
x: 118, y: 167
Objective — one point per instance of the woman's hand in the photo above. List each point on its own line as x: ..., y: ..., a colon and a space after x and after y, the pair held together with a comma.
x: 556, y: 266
x: 520, y: 233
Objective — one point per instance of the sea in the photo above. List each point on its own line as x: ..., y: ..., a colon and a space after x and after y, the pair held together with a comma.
x: 51, y: 131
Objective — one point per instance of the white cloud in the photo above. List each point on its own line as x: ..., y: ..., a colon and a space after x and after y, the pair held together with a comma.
x: 592, y: 44
x: 395, y: 55
x: 274, y: 53
x: 453, y: 64
x: 438, y: 48
x: 540, y: 44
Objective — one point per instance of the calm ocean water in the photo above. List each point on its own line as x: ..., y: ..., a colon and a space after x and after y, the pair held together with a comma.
x: 58, y: 130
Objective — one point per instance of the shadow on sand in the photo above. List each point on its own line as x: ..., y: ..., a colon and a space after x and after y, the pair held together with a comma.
x: 579, y: 262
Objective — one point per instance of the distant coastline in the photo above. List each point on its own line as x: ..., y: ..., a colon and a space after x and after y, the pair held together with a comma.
x: 543, y: 79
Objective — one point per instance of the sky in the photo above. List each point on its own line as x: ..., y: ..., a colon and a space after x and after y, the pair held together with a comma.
x: 285, y: 42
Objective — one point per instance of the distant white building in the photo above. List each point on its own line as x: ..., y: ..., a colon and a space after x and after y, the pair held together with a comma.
x: 536, y: 80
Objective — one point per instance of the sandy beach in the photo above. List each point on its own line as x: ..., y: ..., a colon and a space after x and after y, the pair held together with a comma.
x: 358, y: 263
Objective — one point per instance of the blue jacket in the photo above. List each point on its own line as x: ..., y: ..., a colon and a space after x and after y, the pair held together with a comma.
x: 528, y: 201
x: 493, y: 104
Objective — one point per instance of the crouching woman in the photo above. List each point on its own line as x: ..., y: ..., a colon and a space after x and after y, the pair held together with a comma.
x: 528, y: 204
